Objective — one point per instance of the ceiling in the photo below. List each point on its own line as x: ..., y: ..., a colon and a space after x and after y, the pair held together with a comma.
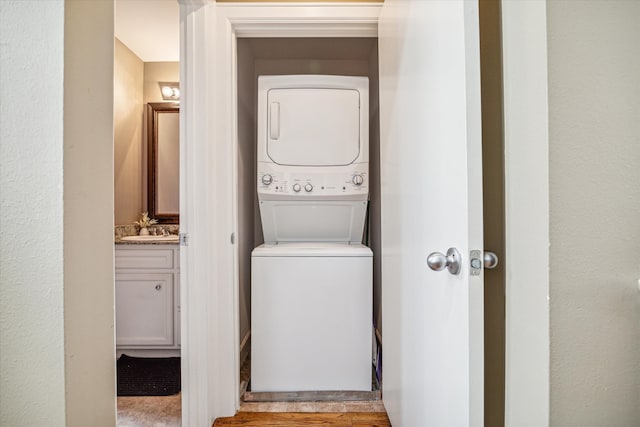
x: 150, y: 28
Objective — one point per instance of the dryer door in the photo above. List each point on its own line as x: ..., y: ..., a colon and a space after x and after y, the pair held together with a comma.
x: 313, y: 126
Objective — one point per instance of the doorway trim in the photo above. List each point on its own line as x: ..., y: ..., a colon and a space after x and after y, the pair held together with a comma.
x: 209, y: 315
x: 526, y: 142
x: 208, y: 179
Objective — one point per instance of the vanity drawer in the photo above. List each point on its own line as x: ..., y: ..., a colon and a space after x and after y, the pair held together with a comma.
x: 143, y: 258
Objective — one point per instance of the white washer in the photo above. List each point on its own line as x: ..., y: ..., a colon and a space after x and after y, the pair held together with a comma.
x: 311, y: 317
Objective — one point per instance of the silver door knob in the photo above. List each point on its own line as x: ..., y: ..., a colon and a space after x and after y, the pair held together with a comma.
x: 490, y: 260
x: 452, y: 261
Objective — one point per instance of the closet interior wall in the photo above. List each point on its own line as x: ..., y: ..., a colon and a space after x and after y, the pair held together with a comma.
x: 278, y: 56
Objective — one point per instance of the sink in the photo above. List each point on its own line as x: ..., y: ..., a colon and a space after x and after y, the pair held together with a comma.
x: 169, y: 238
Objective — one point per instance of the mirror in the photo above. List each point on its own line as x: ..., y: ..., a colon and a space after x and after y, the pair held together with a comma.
x: 163, y: 171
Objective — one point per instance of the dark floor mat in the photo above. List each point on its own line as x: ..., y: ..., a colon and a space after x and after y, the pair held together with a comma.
x: 148, y: 376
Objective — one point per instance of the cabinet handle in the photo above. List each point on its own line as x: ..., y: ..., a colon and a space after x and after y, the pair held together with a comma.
x: 158, y: 287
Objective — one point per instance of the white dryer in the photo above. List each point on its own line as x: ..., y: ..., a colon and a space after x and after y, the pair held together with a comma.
x: 313, y: 157
x: 312, y: 279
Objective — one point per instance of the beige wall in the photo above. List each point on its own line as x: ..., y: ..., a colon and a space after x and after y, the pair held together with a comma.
x: 594, y: 116
x: 32, y: 382
x: 128, y: 143
x: 135, y: 85
x: 155, y: 72
x: 88, y: 213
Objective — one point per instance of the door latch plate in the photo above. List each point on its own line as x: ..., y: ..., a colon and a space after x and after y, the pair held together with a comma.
x: 475, y: 267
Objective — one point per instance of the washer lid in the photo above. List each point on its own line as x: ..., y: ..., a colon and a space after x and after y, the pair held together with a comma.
x: 313, y: 126
x: 314, y: 249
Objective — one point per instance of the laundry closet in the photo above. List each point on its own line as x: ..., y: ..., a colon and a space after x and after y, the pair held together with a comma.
x: 287, y: 361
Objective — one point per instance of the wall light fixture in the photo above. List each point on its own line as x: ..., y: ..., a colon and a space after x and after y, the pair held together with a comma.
x: 170, y: 91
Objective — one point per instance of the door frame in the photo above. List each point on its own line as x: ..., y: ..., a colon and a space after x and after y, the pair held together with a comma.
x: 526, y: 145
x: 208, y: 155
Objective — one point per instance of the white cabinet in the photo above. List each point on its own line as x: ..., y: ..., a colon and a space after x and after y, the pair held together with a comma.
x: 144, y: 309
x: 147, y: 296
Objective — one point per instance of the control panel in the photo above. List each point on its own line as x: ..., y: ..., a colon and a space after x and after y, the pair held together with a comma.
x: 313, y: 181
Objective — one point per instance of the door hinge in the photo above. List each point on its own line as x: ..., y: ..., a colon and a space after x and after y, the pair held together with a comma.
x: 184, y: 239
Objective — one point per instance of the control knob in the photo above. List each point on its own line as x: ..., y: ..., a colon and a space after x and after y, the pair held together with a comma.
x: 358, y: 179
x: 267, y: 179
x: 296, y: 187
x: 308, y: 188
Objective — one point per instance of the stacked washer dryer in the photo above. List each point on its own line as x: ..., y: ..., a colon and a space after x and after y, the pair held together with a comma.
x: 311, y: 281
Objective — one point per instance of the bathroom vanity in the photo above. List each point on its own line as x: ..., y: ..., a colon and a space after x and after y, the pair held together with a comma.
x: 147, y: 297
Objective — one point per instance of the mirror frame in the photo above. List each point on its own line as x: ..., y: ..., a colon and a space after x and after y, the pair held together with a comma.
x: 153, y: 110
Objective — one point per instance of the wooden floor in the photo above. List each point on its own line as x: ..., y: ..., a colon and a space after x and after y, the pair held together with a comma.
x: 301, y: 419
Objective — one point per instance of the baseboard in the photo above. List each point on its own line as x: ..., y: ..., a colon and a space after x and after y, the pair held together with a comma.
x: 312, y: 396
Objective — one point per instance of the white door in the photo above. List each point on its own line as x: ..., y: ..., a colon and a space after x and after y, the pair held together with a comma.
x: 431, y: 201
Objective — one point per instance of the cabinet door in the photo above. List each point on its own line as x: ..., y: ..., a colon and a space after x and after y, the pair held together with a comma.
x: 144, y: 309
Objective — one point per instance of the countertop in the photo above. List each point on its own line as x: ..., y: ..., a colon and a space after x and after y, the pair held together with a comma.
x: 121, y: 231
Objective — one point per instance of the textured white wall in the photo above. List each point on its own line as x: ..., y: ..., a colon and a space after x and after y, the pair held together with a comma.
x: 31, y: 222
x: 594, y: 110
